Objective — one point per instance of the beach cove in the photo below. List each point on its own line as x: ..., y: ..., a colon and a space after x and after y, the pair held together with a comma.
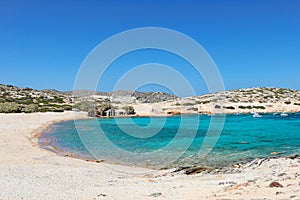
x: 176, y: 141
x: 30, y: 172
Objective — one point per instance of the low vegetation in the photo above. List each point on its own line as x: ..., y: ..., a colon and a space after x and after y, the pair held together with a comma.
x: 229, y: 107
x: 252, y: 107
x: 129, y: 110
x: 27, y: 100
x: 217, y: 106
x: 193, y: 109
x: 188, y: 104
x: 245, y: 107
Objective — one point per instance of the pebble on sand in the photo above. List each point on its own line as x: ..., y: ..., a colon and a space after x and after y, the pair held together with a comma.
x: 276, y: 184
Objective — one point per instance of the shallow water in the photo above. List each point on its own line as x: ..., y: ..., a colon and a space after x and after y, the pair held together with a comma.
x: 176, y: 141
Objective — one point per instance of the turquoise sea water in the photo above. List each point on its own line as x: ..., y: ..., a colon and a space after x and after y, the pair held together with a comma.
x: 176, y: 141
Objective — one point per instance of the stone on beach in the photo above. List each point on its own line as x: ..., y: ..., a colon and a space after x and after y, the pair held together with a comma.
x: 196, y: 170
x: 275, y: 184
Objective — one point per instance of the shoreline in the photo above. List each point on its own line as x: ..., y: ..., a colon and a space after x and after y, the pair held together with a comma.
x: 89, y: 158
x: 200, y: 113
x: 36, y: 133
x: 46, y: 128
x: 59, y: 152
x: 30, y: 172
x: 45, y: 145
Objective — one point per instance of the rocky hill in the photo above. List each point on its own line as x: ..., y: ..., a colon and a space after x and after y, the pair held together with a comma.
x: 260, y: 95
x: 242, y: 101
x: 15, y: 99
x: 126, y: 96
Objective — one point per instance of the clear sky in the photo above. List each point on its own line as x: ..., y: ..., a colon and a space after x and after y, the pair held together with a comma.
x: 253, y: 43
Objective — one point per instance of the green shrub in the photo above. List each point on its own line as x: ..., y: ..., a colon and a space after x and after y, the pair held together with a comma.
x: 229, y: 107
x: 105, y: 106
x: 58, y: 110
x: 287, y: 102
x: 217, y: 106
x: 43, y: 100
x: 43, y: 110
x: 259, y: 107
x: 30, y: 108
x: 193, y: 109
x: 10, y: 107
x: 129, y: 110
x: 58, y: 99
x: 84, y: 106
x: 67, y: 107
x: 27, y: 89
x: 205, y: 102
x: 188, y: 104
x: 245, y: 107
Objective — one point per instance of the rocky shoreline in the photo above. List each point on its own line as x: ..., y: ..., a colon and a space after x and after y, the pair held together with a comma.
x: 234, y: 168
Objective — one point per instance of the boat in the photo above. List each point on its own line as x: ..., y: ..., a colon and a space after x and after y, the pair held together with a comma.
x: 284, y: 114
x: 256, y: 115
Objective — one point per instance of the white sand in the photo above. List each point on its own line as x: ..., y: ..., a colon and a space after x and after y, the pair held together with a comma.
x: 29, y: 172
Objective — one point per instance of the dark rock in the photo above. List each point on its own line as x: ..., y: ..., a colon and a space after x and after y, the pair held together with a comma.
x: 293, y: 156
x: 196, y: 170
x: 282, y: 174
x: 227, y: 183
x: 180, y: 168
x: 275, y: 184
x: 157, y: 194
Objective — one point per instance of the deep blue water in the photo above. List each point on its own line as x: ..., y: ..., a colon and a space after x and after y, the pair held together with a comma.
x: 176, y: 141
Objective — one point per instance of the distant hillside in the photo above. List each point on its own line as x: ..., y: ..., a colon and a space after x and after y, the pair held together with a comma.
x: 243, y: 101
x: 258, y: 95
x: 15, y: 99
x: 126, y: 96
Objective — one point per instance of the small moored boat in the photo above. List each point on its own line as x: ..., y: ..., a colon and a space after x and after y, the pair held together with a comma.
x: 284, y: 114
x: 256, y: 115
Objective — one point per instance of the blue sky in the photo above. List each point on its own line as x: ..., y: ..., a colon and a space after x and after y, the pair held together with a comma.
x: 253, y: 43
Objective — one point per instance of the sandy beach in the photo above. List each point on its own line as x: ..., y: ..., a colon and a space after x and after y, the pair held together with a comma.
x: 30, y: 172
